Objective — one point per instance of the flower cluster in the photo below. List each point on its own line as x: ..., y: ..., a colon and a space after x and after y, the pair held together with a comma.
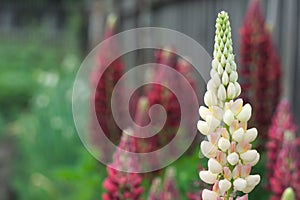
x: 258, y: 57
x: 283, y: 147
x: 169, y: 189
x: 225, y: 124
x: 287, y: 166
x: 121, y: 185
x: 159, y: 94
x: 282, y: 121
x: 104, y: 86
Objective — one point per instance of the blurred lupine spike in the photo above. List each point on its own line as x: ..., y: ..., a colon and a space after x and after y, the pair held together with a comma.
x: 119, y: 184
x: 225, y: 124
x: 282, y: 121
x: 121, y: 158
x: 155, y: 189
x: 283, y: 153
x: 260, y: 69
x: 170, y: 191
x: 104, y: 86
x: 167, y: 191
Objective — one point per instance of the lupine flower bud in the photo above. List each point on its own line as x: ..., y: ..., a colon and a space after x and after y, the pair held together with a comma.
x: 245, y: 114
x: 288, y: 194
x: 224, y: 123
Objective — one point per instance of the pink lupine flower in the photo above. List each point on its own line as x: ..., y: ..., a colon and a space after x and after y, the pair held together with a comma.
x: 287, y: 167
x: 170, y: 191
x: 155, y: 189
x: 283, y: 153
x: 104, y: 86
x: 167, y: 191
x: 259, y: 68
x: 122, y: 185
x: 282, y: 121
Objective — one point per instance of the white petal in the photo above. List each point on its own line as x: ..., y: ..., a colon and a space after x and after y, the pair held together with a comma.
x: 215, y: 63
x: 222, y: 92
x: 209, y: 195
x: 249, y: 156
x: 233, y: 76
x: 238, y: 135
x: 225, y: 78
x: 211, y: 85
x: 223, y: 59
x: 237, y: 106
x: 203, y: 127
x: 251, y: 134
x: 217, y: 112
x: 252, y: 180
x: 233, y: 66
x: 209, y: 98
x: 214, y: 166
x: 220, y: 69
x: 228, y: 68
x: 224, y: 185
x: 228, y: 117
x: 213, y: 72
x: 208, y: 149
x: 216, y: 79
x: 212, y: 122
x: 254, y: 162
x: 203, y: 111
x: 223, y: 144
x: 239, y: 184
x: 245, y: 114
x: 248, y: 189
x: 233, y: 158
x: 237, y: 89
x: 231, y: 92
x: 208, y: 177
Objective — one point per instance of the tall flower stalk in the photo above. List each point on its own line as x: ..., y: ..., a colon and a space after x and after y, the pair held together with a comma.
x: 104, y: 86
x: 283, y: 153
x: 282, y: 121
x: 228, y: 147
x: 122, y: 185
x: 158, y: 94
x: 259, y: 69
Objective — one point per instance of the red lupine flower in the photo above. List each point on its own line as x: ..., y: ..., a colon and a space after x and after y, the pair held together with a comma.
x: 259, y: 68
x: 121, y: 185
x: 104, y: 86
x: 158, y: 94
x: 283, y: 153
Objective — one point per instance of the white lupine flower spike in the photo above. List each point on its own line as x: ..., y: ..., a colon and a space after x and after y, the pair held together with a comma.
x: 224, y: 122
